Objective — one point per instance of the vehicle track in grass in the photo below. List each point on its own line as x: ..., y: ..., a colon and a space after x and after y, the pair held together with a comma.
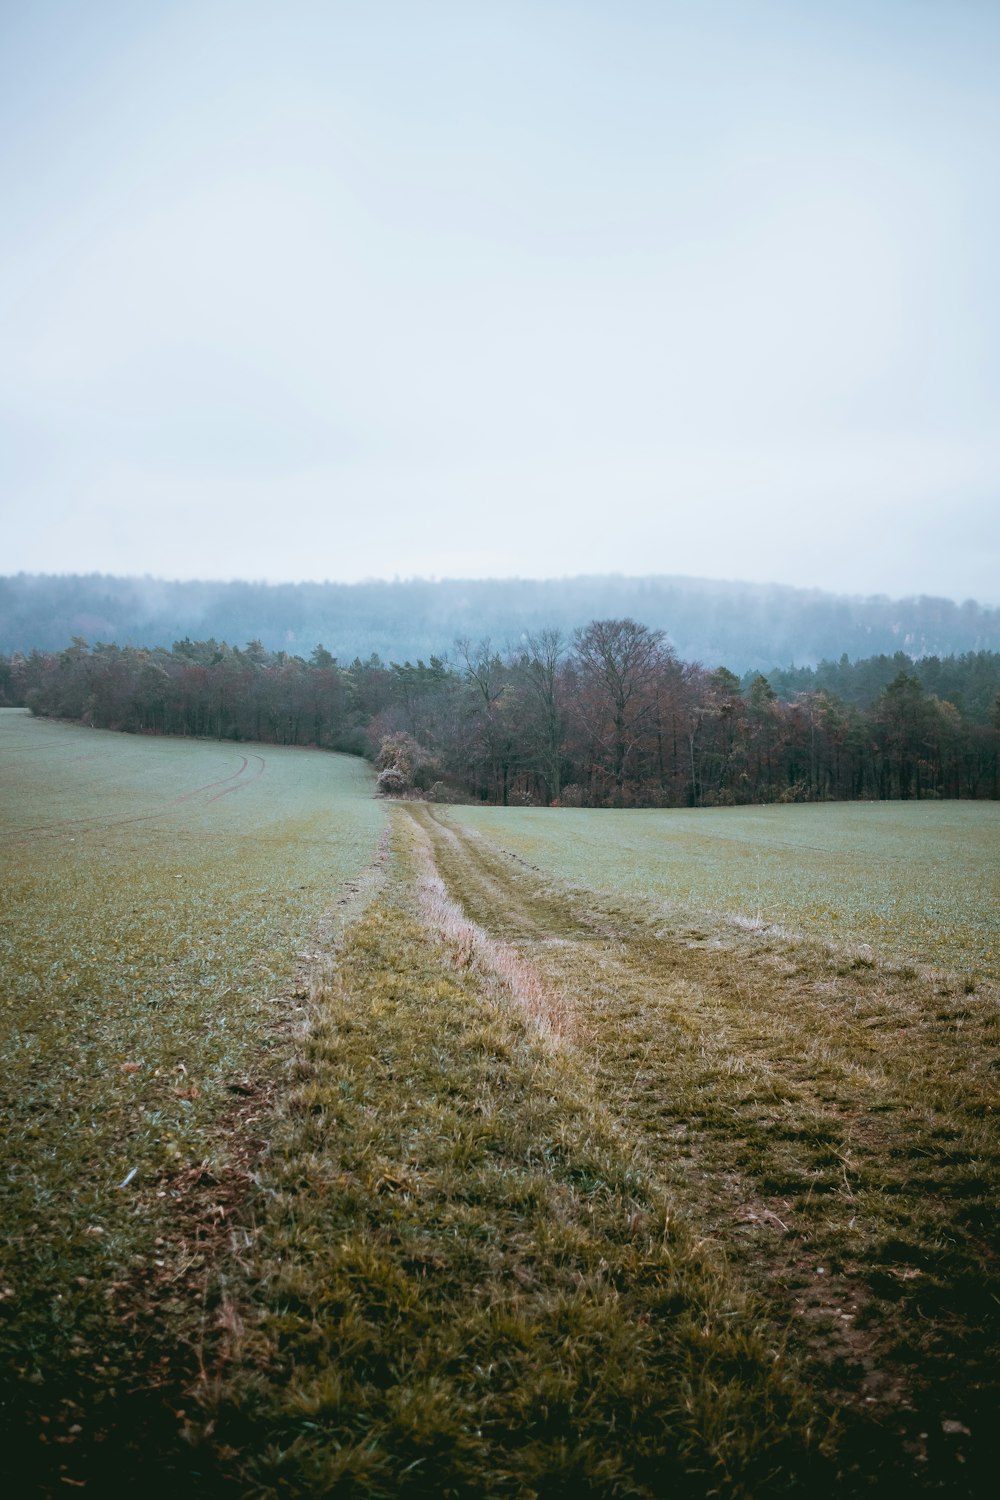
x: 242, y: 785
x: 35, y: 749
x: 243, y: 777
x: 828, y: 1121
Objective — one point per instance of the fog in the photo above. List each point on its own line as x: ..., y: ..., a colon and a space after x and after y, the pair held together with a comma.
x: 743, y: 626
x: 336, y: 291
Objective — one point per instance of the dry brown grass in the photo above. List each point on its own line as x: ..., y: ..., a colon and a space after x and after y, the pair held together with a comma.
x: 545, y: 1008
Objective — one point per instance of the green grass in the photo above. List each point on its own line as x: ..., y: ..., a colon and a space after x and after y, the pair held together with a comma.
x: 916, y: 880
x: 459, y: 1173
x: 827, y: 1121
x: 157, y: 899
x: 463, y: 1283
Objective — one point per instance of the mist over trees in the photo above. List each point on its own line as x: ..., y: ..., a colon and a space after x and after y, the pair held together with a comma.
x: 748, y: 627
x: 606, y: 715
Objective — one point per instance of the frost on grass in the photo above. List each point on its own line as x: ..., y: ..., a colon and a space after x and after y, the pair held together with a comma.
x: 914, y: 880
x: 758, y: 924
x: 474, y: 948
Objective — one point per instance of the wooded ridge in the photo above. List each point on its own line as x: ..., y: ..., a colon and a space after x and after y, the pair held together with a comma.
x: 747, y: 626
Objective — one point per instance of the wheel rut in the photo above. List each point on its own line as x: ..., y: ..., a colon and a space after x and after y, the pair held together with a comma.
x: 824, y: 1121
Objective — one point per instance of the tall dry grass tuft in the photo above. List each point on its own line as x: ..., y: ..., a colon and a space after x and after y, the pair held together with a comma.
x: 495, y: 961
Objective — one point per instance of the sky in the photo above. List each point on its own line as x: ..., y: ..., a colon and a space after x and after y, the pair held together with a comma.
x: 492, y: 289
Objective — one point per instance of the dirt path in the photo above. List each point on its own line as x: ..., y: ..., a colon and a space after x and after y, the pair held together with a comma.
x: 828, y: 1122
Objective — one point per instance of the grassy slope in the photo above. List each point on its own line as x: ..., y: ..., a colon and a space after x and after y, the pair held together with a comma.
x: 156, y: 897
x: 916, y: 880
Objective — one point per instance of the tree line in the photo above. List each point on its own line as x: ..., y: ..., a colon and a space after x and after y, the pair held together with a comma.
x: 607, y: 715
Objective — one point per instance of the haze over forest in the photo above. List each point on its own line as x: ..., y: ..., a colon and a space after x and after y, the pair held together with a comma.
x: 742, y: 626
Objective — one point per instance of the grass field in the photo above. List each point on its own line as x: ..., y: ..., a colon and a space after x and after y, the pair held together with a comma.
x: 916, y: 880
x: 157, y: 896
x: 497, y: 1159
x: 825, y: 1117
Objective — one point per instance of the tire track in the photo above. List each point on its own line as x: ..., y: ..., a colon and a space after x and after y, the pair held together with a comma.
x: 84, y: 825
x: 772, y: 1086
x: 254, y: 776
x: 35, y: 749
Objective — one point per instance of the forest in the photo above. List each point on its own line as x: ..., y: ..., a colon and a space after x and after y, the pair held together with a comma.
x: 749, y: 626
x: 607, y: 716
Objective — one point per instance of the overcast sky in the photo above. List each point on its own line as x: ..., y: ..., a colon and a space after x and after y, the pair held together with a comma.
x: 398, y: 287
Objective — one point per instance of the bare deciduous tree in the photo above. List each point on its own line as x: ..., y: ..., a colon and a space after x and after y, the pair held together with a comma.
x: 618, y: 662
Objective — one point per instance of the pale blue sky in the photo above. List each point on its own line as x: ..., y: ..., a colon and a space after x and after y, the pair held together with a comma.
x: 347, y: 290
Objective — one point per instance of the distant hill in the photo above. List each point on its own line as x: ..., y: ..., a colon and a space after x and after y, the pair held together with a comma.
x: 744, y: 626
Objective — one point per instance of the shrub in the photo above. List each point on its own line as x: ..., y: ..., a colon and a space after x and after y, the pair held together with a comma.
x: 407, y: 758
x: 391, y: 782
